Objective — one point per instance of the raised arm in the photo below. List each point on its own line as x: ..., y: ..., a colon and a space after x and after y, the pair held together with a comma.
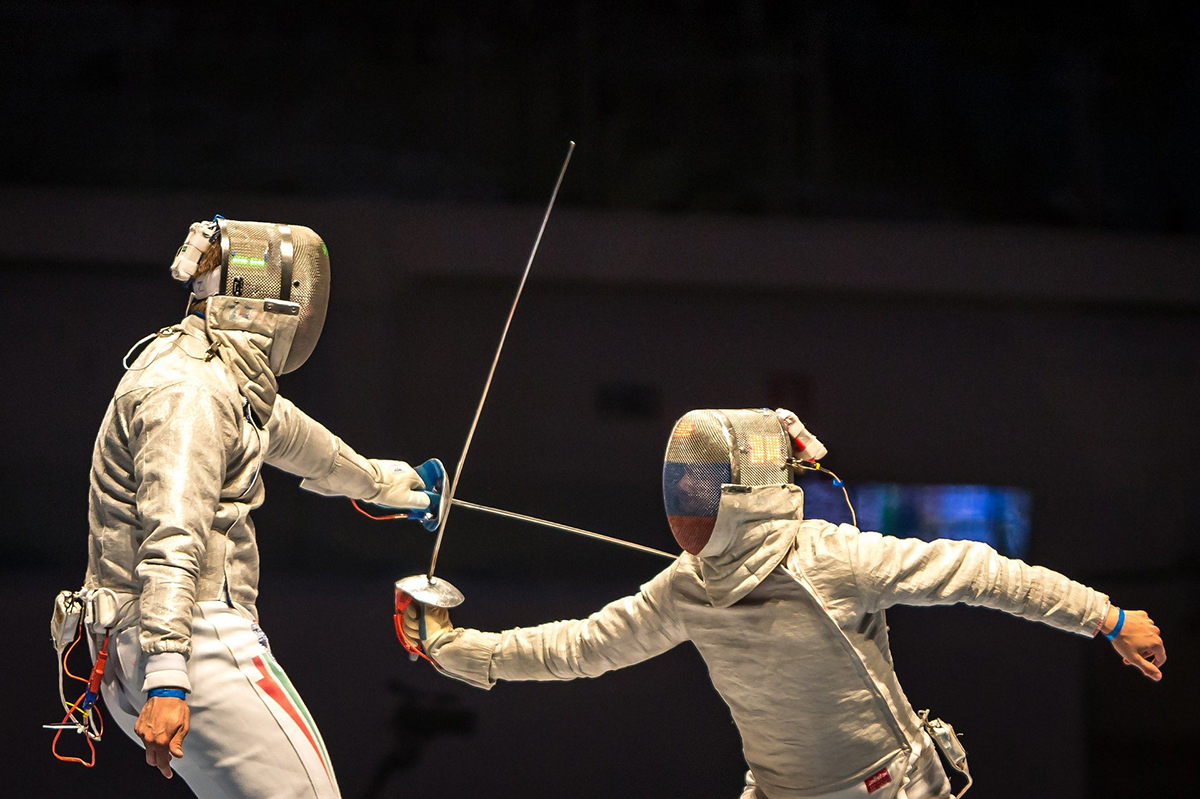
x: 622, y: 633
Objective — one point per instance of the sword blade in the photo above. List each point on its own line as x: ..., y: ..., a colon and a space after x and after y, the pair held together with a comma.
x: 448, y: 499
x: 566, y: 528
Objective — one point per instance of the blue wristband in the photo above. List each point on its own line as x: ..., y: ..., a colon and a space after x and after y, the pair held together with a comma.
x: 174, y: 693
x: 1120, y: 623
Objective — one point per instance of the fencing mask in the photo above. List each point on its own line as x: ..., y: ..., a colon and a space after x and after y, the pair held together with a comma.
x: 288, y: 265
x: 710, y: 448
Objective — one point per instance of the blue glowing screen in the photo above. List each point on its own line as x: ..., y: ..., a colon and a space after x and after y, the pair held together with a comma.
x: 998, y: 516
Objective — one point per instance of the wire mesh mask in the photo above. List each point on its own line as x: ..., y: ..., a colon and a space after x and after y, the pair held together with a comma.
x: 711, y: 448
x: 288, y: 264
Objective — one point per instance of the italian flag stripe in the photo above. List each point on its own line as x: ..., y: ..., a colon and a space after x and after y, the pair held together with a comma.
x: 271, y: 688
x: 287, y: 686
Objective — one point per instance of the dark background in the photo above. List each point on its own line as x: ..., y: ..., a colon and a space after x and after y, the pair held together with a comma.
x: 960, y: 243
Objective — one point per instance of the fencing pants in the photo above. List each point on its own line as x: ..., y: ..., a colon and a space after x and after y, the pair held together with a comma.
x: 924, y: 778
x: 250, y: 734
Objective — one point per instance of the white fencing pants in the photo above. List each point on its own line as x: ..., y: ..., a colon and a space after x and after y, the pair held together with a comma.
x: 924, y: 778
x: 251, y: 737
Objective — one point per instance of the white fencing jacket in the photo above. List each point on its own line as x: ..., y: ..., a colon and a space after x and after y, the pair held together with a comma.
x: 788, y: 615
x: 175, y: 474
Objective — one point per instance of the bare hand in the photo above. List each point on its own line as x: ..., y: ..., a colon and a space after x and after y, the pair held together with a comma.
x: 1139, y: 643
x: 162, y: 725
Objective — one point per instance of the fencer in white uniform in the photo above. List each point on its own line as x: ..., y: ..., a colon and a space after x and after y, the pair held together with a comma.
x: 176, y: 471
x: 789, y: 616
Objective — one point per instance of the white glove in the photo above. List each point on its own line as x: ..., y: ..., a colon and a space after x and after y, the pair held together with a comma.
x: 437, y: 621
x: 399, y: 486
x: 807, y: 446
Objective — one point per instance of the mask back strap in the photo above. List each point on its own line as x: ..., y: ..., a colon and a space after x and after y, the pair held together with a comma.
x: 286, y: 254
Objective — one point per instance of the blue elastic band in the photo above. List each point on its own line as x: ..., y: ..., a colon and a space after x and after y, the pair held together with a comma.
x: 174, y: 693
x: 1120, y: 623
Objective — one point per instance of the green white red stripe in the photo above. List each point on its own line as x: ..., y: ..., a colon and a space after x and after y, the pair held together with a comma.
x: 275, y: 684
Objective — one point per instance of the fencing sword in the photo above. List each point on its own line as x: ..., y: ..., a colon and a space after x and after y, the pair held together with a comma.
x: 429, y: 520
x: 566, y: 528
x: 425, y: 588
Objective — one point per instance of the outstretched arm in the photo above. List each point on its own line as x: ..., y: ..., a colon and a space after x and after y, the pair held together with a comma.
x: 909, y: 571
x: 300, y: 445
x: 623, y: 633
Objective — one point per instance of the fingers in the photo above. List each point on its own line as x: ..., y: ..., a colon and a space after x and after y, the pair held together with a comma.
x: 417, y: 500
x: 1146, y: 667
x: 411, y: 615
x: 176, y: 746
x: 411, y: 630
x: 400, y: 474
x: 401, y: 497
x: 158, y: 756
x: 1140, y: 644
x: 436, y: 619
x: 412, y: 625
x: 162, y: 726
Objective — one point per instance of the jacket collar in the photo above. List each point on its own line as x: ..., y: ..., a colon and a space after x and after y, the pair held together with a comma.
x: 754, y: 532
x: 251, y: 328
x: 253, y: 341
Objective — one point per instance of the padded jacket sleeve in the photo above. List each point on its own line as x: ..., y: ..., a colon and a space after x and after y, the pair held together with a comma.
x: 908, y: 571
x: 302, y: 446
x: 622, y: 633
x: 178, y: 439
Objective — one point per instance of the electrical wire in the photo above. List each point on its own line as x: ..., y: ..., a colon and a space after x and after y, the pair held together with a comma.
x: 372, y: 516
x: 87, y: 721
x: 837, y: 483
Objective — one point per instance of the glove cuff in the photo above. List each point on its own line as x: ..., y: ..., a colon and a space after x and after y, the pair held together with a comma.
x: 464, y: 654
x: 352, y: 476
x: 166, y: 670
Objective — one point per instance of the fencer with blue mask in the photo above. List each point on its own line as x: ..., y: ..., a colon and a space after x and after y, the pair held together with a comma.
x: 789, y: 616
x: 176, y: 472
